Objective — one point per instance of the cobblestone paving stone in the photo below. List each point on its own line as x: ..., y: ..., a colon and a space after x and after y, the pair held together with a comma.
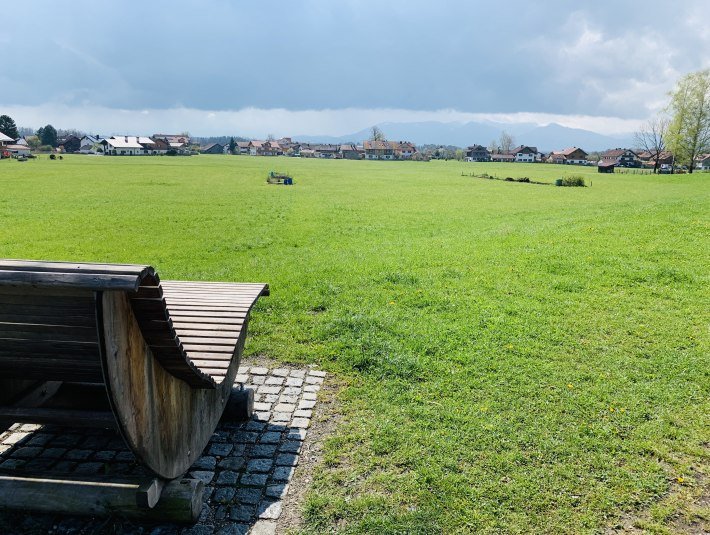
x: 246, y: 467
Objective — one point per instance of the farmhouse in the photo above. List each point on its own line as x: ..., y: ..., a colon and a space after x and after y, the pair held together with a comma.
x: 326, y: 151
x: 122, y: 146
x: 478, y: 153
x: 242, y: 147
x: 378, y: 150
x: 648, y: 159
x: 214, y: 148
x: 89, y: 144
x: 500, y: 157
x: 17, y: 150
x: 5, y: 140
x: 69, y: 144
x: 525, y: 154
x: 349, y: 152
x: 571, y: 156
x: 621, y: 158
x: 403, y: 150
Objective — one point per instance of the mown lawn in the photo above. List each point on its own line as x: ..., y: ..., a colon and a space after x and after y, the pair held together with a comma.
x: 516, y: 357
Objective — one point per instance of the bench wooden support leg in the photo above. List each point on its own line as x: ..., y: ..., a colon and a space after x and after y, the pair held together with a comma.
x: 177, y: 501
x: 240, y: 405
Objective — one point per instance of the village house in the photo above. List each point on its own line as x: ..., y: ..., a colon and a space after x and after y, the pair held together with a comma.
x: 620, y: 158
x: 648, y: 159
x: 241, y: 147
x: 327, y: 151
x: 403, y: 150
x: 525, y: 154
x: 378, y: 150
x: 478, y: 153
x: 570, y: 156
x: 122, y: 146
x: 349, y: 152
x: 214, y: 148
x: 69, y: 144
x: 89, y: 144
x: 5, y: 140
x: 16, y: 150
x: 500, y: 157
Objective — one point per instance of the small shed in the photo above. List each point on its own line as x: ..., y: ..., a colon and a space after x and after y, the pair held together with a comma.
x: 214, y: 148
x: 605, y: 167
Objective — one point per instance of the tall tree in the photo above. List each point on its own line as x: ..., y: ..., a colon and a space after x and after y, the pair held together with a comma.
x: 376, y: 134
x: 689, y: 129
x: 651, y: 137
x: 232, y: 145
x: 493, y: 146
x: 47, y: 135
x: 506, y: 142
x: 8, y: 127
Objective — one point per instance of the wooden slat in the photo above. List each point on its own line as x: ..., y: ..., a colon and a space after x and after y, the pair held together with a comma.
x: 189, y: 340
x: 48, y: 332
x: 206, y: 332
x: 211, y: 364
x: 207, y: 314
x: 208, y: 347
x: 74, y: 418
x: 39, y: 346
x: 48, y: 279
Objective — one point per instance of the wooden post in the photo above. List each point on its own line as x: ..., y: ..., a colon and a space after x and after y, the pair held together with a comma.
x: 180, y: 500
x: 240, y: 405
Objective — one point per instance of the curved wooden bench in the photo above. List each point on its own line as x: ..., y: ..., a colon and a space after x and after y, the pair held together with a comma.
x: 166, y: 352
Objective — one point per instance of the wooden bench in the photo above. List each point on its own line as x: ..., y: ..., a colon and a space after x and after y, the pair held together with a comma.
x: 166, y: 353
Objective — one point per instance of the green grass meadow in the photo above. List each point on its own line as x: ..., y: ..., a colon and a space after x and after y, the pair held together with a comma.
x: 514, y: 358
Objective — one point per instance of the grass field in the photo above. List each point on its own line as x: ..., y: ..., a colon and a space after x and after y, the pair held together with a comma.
x: 515, y: 358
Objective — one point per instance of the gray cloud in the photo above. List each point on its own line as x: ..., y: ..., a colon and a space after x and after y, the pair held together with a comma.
x: 603, y: 59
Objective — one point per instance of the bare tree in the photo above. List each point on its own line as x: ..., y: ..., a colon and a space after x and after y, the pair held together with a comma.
x: 651, y: 137
x: 506, y: 142
x: 376, y: 134
x: 493, y: 146
x: 270, y: 137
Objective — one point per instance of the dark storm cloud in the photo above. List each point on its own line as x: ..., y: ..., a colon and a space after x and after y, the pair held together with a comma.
x: 591, y: 58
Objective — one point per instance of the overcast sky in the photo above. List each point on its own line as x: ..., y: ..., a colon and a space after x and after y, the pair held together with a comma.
x: 334, y: 67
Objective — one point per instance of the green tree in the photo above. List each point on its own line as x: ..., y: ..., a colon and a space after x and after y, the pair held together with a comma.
x: 689, y: 130
x: 8, y: 127
x: 232, y: 145
x: 47, y: 135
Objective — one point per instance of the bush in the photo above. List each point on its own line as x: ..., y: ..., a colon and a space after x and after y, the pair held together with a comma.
x: 574, y: 181
x: 52, y: 156
x: 171, y: 152
x: 524, y: 179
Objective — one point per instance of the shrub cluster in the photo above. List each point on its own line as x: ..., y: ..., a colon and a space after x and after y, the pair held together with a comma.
x: 574, y: 181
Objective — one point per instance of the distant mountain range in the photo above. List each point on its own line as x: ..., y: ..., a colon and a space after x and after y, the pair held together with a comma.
x: 546, y: 138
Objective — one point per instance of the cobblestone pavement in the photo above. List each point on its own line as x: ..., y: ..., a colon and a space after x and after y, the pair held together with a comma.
x: 246, y: 467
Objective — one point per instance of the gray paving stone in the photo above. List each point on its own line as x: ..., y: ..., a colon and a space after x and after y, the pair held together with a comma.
x: 285, y: 407
x: 270, y: 398
x: 306, y: 404
x: 88, y: 468
x: 223, y: 495
x: 39, y: 439
x: 302, y: 423
x: 297, y: 434
x: 270, y: 510
x: 125, y: 456
x: 27, y: 452
x: 14, y: 438
x: 291, y: 391
x: 104, y: 456
x: 221, y: 449
x: 54, y: 453
x: 259, y: 465
x: 287, y: 459
x: 297, y: 373
x: 281, y: 417
x: 228, y: 477
x: 314, y: 380
x: 242, y: 512
x: 253, y: 480
x: 199, y: 529
x: 255, y: 425
x: 258, y: 371
x: 257, y: 380
x: 234, y: 529
x: 317, y: 373
x: 311, y: 388
x: 294, y: 381
x: 271, y: 437
x: 268, y: 389
x: 310, y: 396
x: 303, y: 414
x: 243, y: 370
x: 79, y: 455
x: 274, y: 381
x: 282, y: 473
x: 12, y: 464
x: 263, y: 450
x: 261, y: 406
x: 248, y: 495
x: 264, y: 527
x: 205, y: 463
x: 288, y: 399
x: 278, y: 490
x: 280, y: 372
x: 263, y: 416
x: 241, y: 378
x: 247, y: 438
x: 232, y: 463
x: 290, y: 446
